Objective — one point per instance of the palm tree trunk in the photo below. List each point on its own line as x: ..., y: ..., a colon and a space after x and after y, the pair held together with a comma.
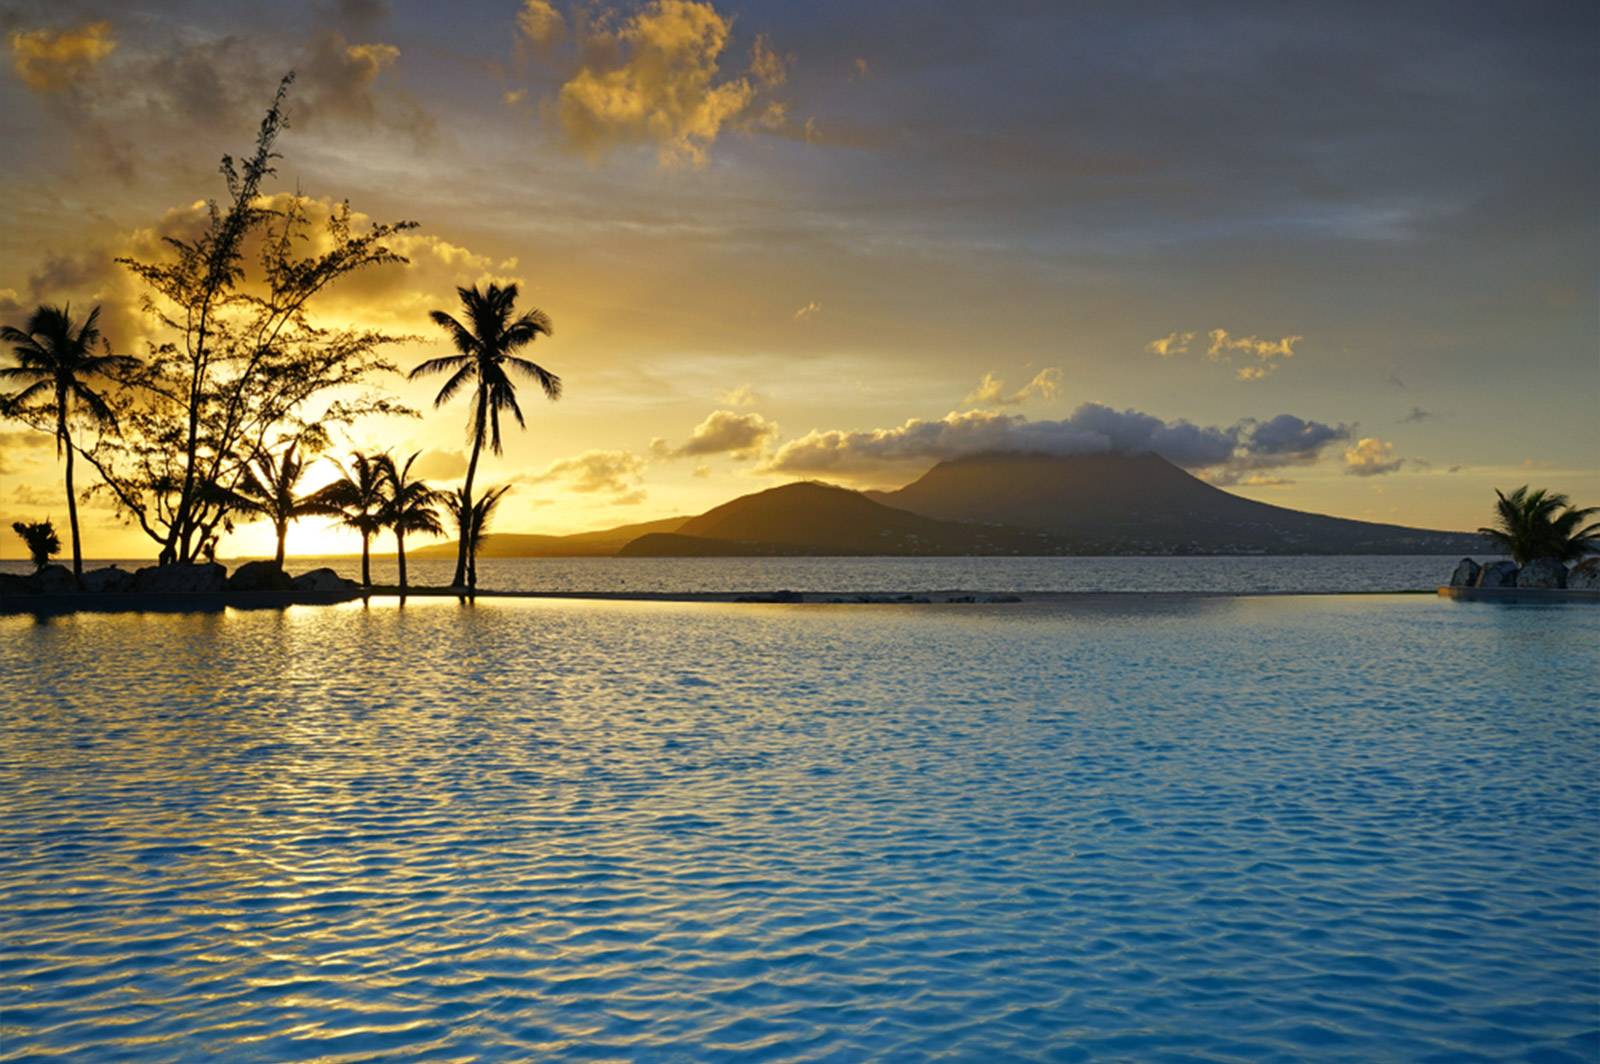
x: 72, y: 499
x: 400, y: 555
x: 366, y: 559
x: 466, y: 489
x: 283, y: 536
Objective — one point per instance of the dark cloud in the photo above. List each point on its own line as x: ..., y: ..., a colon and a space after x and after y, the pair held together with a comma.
x: 1225, y: 454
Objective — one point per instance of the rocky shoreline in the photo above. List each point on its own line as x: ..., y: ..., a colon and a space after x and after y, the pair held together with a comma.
x: 1541, y: 574
x: 205, y: 586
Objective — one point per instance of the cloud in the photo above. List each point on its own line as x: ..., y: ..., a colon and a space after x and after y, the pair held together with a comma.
x: 440, y: 465
x: 615, y: 473
x: 744, y: 395
x: 338, y: 80
x: 32, y: 447
x: 807, y: 311
x: 1371, y: 457
x: 1046, y: 385
x: 1175, y: 344
x: 724, y: 432
x: 1418, y: 414
x: 1224, y: 454
x: 1268, y: 354
x: 861, y: 69
x: 653, y: 80
x: 541, y: 23
x: 52, y: 60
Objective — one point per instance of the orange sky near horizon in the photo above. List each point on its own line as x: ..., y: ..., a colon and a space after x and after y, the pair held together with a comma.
x: 1341, y: 261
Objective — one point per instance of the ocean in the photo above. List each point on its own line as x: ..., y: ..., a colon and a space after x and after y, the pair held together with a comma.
x: 1125, y: 828
x: 1250, y: 574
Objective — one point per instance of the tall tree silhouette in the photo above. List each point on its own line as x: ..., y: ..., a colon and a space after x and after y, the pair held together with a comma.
x: 268, y: 490
x: 472, y: 523
x: 357, y: 498
x: 485, y: 344
x: 54, y: 357
x: 411, y: 506
x: 1542, y: 524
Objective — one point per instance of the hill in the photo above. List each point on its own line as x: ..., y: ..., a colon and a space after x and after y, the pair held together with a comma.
x: 1133, y: 504
x: 602, y: 544
x: 811, y: 518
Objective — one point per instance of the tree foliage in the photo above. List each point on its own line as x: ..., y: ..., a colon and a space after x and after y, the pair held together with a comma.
x: 410, y: 507
x: 1542, y: 524
x: 41, y: 540
x: 267, y: 489
x: 358, y: 499
x: 55, y: 357
x: 241, y: 367
x: 485, y: 344
x: 472, y: 525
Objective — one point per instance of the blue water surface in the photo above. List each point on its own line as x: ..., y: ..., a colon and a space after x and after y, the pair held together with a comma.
x: 1154, y: 829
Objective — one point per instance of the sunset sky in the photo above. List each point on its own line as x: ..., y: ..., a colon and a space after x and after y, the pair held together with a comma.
x: 1339, y: 257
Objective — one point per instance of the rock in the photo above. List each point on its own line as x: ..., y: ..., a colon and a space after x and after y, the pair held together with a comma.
x: 1585, y: 575
x: 1543, y: 573
x: 12, y: 584
x: 184, y: 579
x: 1497, y: 574
x: 109, y: 579
x: 260, y: 576
x: 322, y: 580
x: 53, y: 580
x: 776, y: 596
x: 1466, y: 574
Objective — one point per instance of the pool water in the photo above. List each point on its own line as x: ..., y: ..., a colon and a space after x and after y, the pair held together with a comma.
x: 1160, y: 829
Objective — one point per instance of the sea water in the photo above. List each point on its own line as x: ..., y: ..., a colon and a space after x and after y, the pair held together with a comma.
x: 1233, y: 574
x: 1356, y: 828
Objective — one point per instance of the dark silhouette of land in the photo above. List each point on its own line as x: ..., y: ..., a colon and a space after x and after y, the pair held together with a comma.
x: 997, y: 503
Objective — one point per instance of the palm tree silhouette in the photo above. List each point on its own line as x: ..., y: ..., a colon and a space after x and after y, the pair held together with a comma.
x: 472, y: 523
x: 1542, y: 524
x: 41, y: 538
x: 54, y: 356
x: 357, y: 498
x: 486, y: 345
x: 268, y: 490
x: 411, y: 506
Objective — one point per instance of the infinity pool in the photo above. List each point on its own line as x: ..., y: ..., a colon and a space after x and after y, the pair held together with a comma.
x: 1351, y: 828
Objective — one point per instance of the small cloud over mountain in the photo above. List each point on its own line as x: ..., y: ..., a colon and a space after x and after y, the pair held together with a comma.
x: 1371, y: 457
x: 614, y: 473
x: 723, y: 432
x: 1046, y: 385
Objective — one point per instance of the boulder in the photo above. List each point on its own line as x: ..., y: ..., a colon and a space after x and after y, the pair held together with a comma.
x: 1498, y: 574
x: 1543, y: 573
x: 260, y: 576
x: 14, y: 584
x: 322, y: 580
x: 110, y: 578
x: 1585, y: 575
x: 185, y: 579
x: 1466, y: 574
x: 53, y: 580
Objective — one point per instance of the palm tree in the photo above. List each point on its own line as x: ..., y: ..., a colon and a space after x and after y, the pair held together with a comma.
x: 472, y: 523
x: 54, y: 356
x: 485, y: 347
x: 358, y: 498
x: 268, y: 490
x: 41, y: 538
x: 1542, y: 524
x: 411, y: 507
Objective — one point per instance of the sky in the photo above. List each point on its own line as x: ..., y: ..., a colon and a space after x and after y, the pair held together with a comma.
x: 1340, y: 257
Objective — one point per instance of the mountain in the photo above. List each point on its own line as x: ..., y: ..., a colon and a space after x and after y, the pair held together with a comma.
x: 1134, y: 504
x: 811, y: 518
x: 601, y: 544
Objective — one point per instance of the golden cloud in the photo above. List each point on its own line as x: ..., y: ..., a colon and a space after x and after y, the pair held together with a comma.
x: 541, y: 23
x: 1223, y: 346
x: 616, y: 473
x: 1371, y: 457
x: 50, y: 60
x: 723, y: 432
x: 654, y: 80
x: 1046, y: 385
